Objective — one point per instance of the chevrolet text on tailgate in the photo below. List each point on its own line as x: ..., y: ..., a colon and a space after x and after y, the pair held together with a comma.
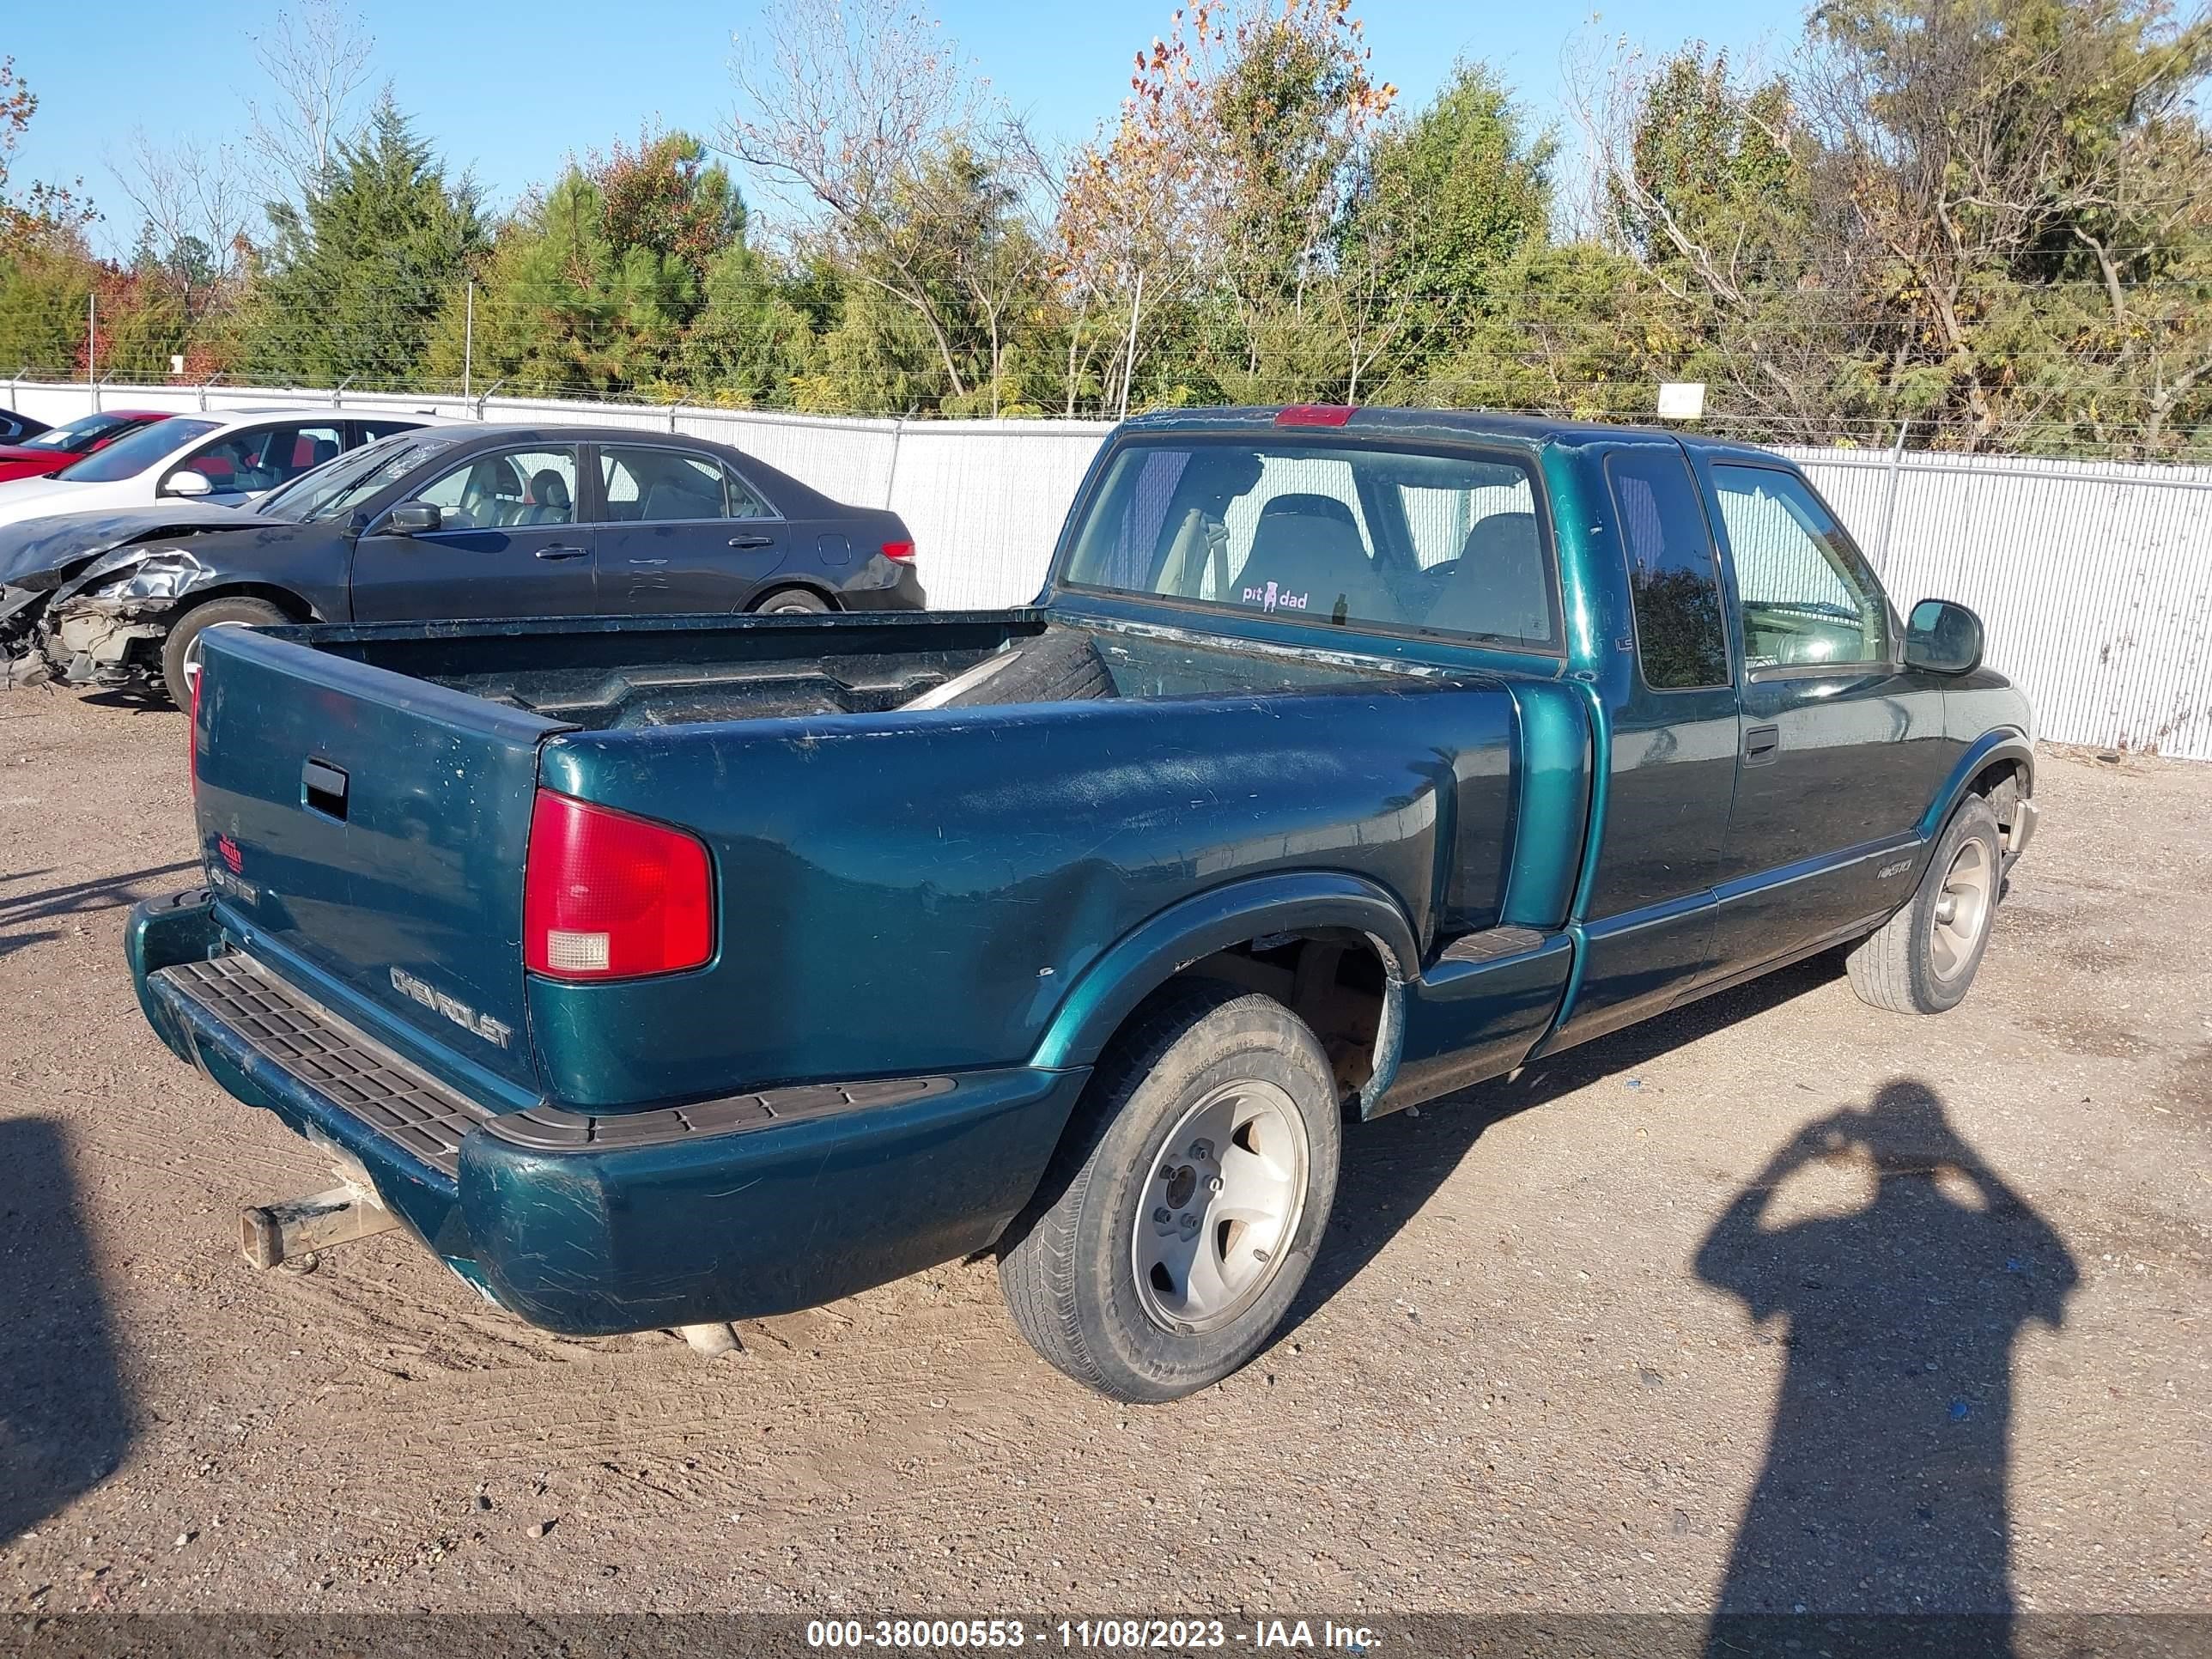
x: 657, y: 972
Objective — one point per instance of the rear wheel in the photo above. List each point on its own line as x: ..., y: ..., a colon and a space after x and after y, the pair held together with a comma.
x: 792, y: 602
x: 1185, y: 1206
x: 181, y: 651
x: 1924, y: 957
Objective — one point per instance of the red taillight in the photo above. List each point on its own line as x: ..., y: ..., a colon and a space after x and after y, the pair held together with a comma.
x: 1314, y: 414
x: 606, y: 895
x: 192, y: 738
x: 898, y: 550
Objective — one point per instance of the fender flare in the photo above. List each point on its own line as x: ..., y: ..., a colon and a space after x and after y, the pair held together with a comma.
x: 1151, y: 953
x: 2005, y: 744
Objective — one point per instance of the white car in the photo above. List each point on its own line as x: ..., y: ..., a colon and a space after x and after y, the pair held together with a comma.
x: 220, y: 458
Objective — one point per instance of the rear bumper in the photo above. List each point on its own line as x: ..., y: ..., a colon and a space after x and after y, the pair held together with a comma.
x: 594, y: 1224
x: 899, y: 590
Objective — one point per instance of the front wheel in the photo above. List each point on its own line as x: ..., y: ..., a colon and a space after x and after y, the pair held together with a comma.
x: 181, y: 651
x: 1186, y: 1202
x: 1923, y: 958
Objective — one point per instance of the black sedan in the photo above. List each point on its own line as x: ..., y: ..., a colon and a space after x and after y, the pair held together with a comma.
x: 438, y: 523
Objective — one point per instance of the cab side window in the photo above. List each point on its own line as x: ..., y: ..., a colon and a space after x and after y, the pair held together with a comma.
x: 1807, y: 597
x: 1673, y: 581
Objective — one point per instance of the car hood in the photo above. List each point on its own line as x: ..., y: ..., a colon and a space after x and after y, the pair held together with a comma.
x: 44, y: 552
x: 19, y: 452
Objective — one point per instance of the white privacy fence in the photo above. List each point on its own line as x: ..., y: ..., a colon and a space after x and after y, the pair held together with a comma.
x: 2094, y: 578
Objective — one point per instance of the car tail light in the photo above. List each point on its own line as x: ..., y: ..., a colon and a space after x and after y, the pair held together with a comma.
x: 606, y: 895
x: 1314, y: 414
x: 898, y: 550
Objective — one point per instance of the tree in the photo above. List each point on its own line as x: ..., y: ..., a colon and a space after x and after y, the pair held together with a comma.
x: 1219, y: 205
x: 317, y: 62
x: 193, y: 210
x: 591, y: 287
x: 1993, y: 152
x: 46, y: 215
x: 666, y: 197
x: 750, y: 343
x: 1449, y: 206
x: 865, y: 119
x: 356, y: 278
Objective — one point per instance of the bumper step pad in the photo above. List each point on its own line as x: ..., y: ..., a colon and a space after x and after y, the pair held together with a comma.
x: 353, y: 1071
x: 400, y: 1100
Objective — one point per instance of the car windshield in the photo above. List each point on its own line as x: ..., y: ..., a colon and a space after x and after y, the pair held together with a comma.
x: 148, y: 446
x: 1359, y: 537
x: 335, y: 488
x: 82, y: 434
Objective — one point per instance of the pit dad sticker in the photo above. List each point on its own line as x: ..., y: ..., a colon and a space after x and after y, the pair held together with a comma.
x: 1272, y: 597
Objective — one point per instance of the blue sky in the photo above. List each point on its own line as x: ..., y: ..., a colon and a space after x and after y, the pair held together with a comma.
x: 508, y: 91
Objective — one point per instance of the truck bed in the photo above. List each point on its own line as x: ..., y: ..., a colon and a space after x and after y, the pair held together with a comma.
x: 366, y: 795
x: 621, y: 674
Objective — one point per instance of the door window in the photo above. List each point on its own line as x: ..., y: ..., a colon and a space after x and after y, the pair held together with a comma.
x: 1673, y: 580
x: 1807, y: 597
x: 511, y: 489
x: 261, y: 458
x: 662, y: 486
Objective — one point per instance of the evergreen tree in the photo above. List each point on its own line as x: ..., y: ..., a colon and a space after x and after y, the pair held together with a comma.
x: 356, y: 278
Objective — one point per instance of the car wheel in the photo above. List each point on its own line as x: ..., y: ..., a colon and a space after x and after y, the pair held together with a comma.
x: 792, y: 602
x: 1923, y: 958
x: 181, y: 651
x: 1183, y: 1210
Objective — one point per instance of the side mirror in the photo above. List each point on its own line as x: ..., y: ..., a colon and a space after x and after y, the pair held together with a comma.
x: 415, y: 519
x: 1943, y: 638
x: 185, y: 481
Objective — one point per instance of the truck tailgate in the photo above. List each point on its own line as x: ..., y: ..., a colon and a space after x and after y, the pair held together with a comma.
x: 375, y: 827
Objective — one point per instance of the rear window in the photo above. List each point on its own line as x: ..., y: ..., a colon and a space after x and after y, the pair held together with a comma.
x: 1370, y: 536
x: 126, y: 457
x: 85, y: 431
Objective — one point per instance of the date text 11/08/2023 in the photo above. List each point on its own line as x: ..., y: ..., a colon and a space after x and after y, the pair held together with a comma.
x: 1167, y: 1635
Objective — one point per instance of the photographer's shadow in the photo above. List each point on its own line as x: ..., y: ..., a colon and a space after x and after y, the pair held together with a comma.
x: 1905, y: 1269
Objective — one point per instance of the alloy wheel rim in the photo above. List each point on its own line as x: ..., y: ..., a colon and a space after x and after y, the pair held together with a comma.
x: 1220, y: 1206
x: 1962, y: 910
x: 193, y: 649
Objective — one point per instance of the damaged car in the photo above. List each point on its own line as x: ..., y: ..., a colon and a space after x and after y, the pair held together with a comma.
x: 441, y: 523
x: 119, y: 599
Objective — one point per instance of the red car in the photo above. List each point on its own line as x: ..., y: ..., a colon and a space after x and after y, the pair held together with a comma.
x: 58, y: 446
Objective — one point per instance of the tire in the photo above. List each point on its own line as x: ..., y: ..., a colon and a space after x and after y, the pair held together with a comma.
x: 180, y: 653
x: 1923, y: 958
x: 792, y: 602
x: 1060, y: 666
x: 1206, y: 1084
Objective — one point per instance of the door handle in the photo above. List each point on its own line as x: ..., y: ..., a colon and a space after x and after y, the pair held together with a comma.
x: 561, y: 552
x: 1761, y: 744
x: 323, y: 788
x: 752, y: 541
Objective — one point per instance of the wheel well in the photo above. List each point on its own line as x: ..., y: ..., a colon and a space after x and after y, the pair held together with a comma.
x: 820, y: 593
x: 290, y: 604
x: 2001, y: 783
x: 1336, y: 980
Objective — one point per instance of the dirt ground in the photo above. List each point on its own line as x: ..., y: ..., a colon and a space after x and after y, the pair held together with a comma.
x: 1780, y: 1302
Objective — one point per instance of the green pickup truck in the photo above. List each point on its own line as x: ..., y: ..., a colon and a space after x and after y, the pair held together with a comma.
x: 658, y: 973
